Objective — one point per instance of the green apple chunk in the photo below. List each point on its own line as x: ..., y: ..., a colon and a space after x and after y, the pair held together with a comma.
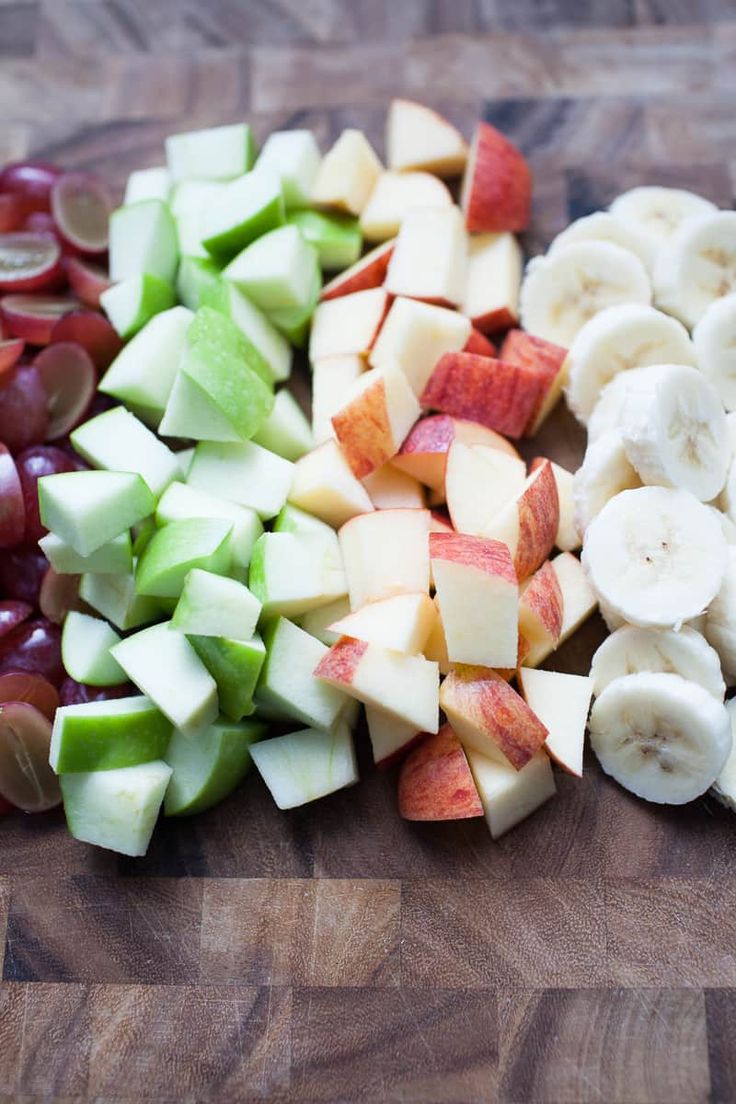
x: 164, y: 666
x: 189, y: 231
x: 178, y: 547
x: 216, y: 153
x: 89, y: 508
x: 294, y: 322
x: 249, y: 206
x: 292, y: 519
x: 303, y: 766
x: 85, y: 650
x: 116, y: 809
x: 235, y: 665
x: 180, y: 502
x: 197, y: 278
x: 113, y: 558
x: 317, y: 621
x: 294, y: 155
x: 291, y: 574
x: 118, y: 441
x: 208, y: 769
x: 337, y: 238
x: 132, y: 303
x: 215, y: 332
x: 143, y: 373
x: 152, y: 183
x: 143, y: 239
x: 211, y: 605
x: 114, y: 596
x: 261, y: 334
x: 286, y: 430
x: 195, y: 196
x: 244, y: 473
x: 106, y: 735
x: 277, y: 270
x: 287, y: 684
x: 184, y: 459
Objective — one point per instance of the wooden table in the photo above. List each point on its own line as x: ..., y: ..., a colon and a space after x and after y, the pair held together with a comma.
x: 335, y: 953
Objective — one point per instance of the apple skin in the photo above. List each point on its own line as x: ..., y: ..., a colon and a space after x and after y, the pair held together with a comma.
x: 479, y: 344
x: 499, y: 395
x: 222, y: 758
x: 567, y: 538
x: 423, y: 453
x: 90, y: 737
x: 539, y: 515
x: 489, y: 556
x: 497, y: 187
x: 435, y: 782
x: 367, y: 433
x: 545, y: 359
x: 235, y: 665
x: 368, y: 272
x: 540, y: 609
x: 342, y: 661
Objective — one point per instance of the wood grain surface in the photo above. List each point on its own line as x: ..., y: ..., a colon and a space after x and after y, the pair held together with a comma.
x: 336, y: 953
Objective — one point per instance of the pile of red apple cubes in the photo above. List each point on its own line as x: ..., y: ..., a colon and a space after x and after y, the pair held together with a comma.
x: 242, y: 567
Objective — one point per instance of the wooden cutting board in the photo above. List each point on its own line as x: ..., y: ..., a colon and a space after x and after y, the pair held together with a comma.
x: 336, y: 953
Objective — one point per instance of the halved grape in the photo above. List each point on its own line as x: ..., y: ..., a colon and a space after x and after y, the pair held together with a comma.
x: 78, y: 693
x: 13, y: 213
x: 58, y: 595
x: 24, y: 413
x: 34, y: 646
x: 12, y: 506
x: 81, y: 206
x: 33, y: 317
x: 21, y: 573
x: 42, y: 222
x: 31, y: 179
x: 26, y: 686
x: 13, y: 614
x: 87, y: 280
x: 93, y: 332
x: 26, y: 779
x: 32, y: 463
x: 69, y: 378
x: 29, y: 262
x: 10, y: 352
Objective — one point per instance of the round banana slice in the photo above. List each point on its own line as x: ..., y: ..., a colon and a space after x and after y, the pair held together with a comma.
x: 720, y: 619
x: 608, y: 410
x: 653, y: 214
x: 605, y: 472
x: 674, y: 430
x: 697, y: 266
x: 561, y: 291
x: 629, y: 650
x: 611, y: 620
x: 662, y: 737
x: 655, y: 556
x: 600, y: 226
x: 714, y: 340
x: 629, y: 335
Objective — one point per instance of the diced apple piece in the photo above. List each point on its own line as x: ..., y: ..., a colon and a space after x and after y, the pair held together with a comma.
x: 368, y: 272
x: 391, y: 489
x: 347, y: 174
x: 113, y: 558
x: 348, y: 325
x: 85, y: 650
x: 430, y: 258
x: 395, y: 193
x: 291, y: 574
x: 106, y: 735
x: 402, y: 622
x: 294, y: 322
x: 332, y: 381
x: 390, y: 738
x: 386, y: 553
x: 114, y: 596
x: 436, y: 646
x: 415, y: 335
x: 215, y: 153
x: 419, y: 138
x: 494, y: 280
x: 197, y: 280
x: 288, y: 683
x: 143, y: 239
x: 176, y: 549
x: 89, y: 508
x: 578, y: 597
x: 479, y: 482
x: 405, y: 686
x: 317, y: 622
x: 286, y: 430
x: 435, y: 782
x: 180, y: 502
x: 567, y: 538
x: 495, y: 393
x: 118, y: 441
x: 277, y: 270
x: 208, y: 769
x: 293, y: 520
x: 153, y: 183
x: 562, y: 703
x: 294, y: 155
x: 509, y: 796
x: 304, y: 766
x: 116, y: 809
x: 336, y: 237
x: 496, y: 192
x: 479, y: 344
x: 379, y: 412
x: 478, y: 598
x: 212, y: 605
x: 540, y: 614
x: 164, y: 666
x: 528, y: 525
x: 235, y: 665
x: 243, y: 473
x: 261, y: 334
x: 489, y: 716
x: 248, y: 207
x: 425, y: 451
x: 132, y: 303
x: 547, y: 361
x: 324, y: 485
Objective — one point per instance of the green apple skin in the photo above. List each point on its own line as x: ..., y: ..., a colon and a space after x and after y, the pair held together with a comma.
x: 214, y: 331
x: 235, y: 665
x: 249, y: 207
x: 303, y: 766
x: 214, y: 153
x: 292, y: 519
x: 287, y: 683
x: 180, y: 501
x: 177, y: 548
x: 143, y: 239
x: 90, y: 508
x: 294, y: 322
x: 115, y: 598
x: 101, y: 736
x: 116, y: 809
x: 132, y: 303
x: 211, y: 605
x: 235, y: 389
x: 255, y: 327
x: 197, y: 278
x: 286, y: 430
x: 337, y: 238
x: 85, y: 650
x: 113, y: 558
x: 208, y: 769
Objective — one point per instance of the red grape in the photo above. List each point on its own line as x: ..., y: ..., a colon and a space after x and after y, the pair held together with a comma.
x: 32, y: 463
x: 26, y: 779
x: 81, y: 205
x: 28, y: 687
x: 42, y: 222
x: 29, y: 262
x: 24, y: 407
x: 31, y: 179
x: 93, y: 332
x: 34, y: 646
x: 21, y: 573
x: 33, y: 316
x: 13, y: 614
x: 12, y: 506
x: 13, y: 212
x: 58, y: 595
x: 10, y: 352
x: 69, y: 378
x: 86, y: 280
x: 77, y: 693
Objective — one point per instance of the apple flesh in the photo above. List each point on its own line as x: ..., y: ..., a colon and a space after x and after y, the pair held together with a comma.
x: 177, y: 548
x: 578, y: 597
x: 215, y: 153
x: 499, y: 395
x: 419, y: 138
x: 508, y: 795
x: 415, y: 335
x: 248, y: 207
x: 378, y: 413
x: 332, y: 383
x: 288, y: 684
x: 304, y: 766
x: 212, y: 605
x: 115, y: 809
x: 317, y: 622
x: 180, y: 502
x: 435, y: 782
x: 386, y: 553
x: 208, y: 769
x: 293, y: 520
x: 436, y: 646
x: 390, y: 738
x: 132, y: 303
x: 540, y: 614
x: 235, y: 665
x: 85, y: 650
x: 403, y: 623
x: 368, y: 272
x: 491, y: 298
x: 480, y: 482
x: 261, y: 335
x: 118, y: 441
x: 349, y: 325
x: 153, y: 183
x: 143, y: 239
x: 528, y: 525
x: 89, y: 508
x: 347, y: 174
x: 424, y: 453
x: 429, y: 260
x: 286, y: 430
x: 547, y: 361
x: 115, y: 597
x: 197, y: 281
x: 393, y: 195
x: 324, y: 485
x: 113, y: 558
x: 276, y: 270
x: 391, y: 489
x: 496, y: 191
x: 107, y: 735
x: 242, y: 473
x: 294, y: 322
x: 291, y: 574
x: 567, y: 538
x: 336, y: 237
x: 562, y: 703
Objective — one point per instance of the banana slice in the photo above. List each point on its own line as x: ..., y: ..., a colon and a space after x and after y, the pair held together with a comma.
x: 561, y: 291
x: 653, y: 214
x: 600, y: 226
x: 630, y: 650
x: 714, y: 340
x: 724, y: 787
x: 605, y: 472
x: 720, y: 620
x: 629, y: 335
x: 662, y: 737
x: 607, y: 411
x: 697, y: 266
x: 655, y: 556
x: 674, y: 430
x: 611, y: 620
x: 728, y: 527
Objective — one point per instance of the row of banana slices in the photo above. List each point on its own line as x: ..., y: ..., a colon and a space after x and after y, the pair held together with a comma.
x: 643, y: 296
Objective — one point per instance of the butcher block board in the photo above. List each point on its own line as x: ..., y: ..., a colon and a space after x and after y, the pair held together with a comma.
x: 336, y: 953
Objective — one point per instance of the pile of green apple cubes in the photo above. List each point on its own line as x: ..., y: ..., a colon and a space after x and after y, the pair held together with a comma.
x: 216, y: 267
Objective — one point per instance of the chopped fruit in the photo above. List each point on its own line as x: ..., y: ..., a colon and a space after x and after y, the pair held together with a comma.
x: 332, y: 381
x: 540, y: 614
x: 425, y: 451
x: 509, y: 796
x: 430, y: 258
x: 324, y: 485
x: 402, y: 622
x: 419, y: 138
x: 528, y: 525
x: 304, y: 766
x: 348, y: 325
x: 567, y: 538
x: 499, y: 395
x: 578, y: 597
x: 414, y: 336
x: 390, y: 738
x: 378, y: 413
x: 385, y: 553
x: 547, y: 361
x: 436, y: 646
x: 435, y: 782
x: 116, y: 809
x: 288, y: 686
x: 368, y: 272
x: 479, y: 344
x: 491, y: 298
x: 561, y: 702
x: 391, y: 489
x: 393, y: 195
x: 497, y: 185
x: 347, y: 174
x: 479, y: 482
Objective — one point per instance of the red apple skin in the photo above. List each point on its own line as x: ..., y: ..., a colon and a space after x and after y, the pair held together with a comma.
x: 479, y: 344
x: 342, y: 661
x: 498, y: 194
x: 539, y: 517
x: 508, y: 673
x: 491, y: 556
x: 363, y: 431
x: 439, y: 522
x: 435, y: 782
x: 543, y: 357
x: 368, y: 272
x: 543, y: 599
x: 495, y: 320
x: 499, y: 395
x: 502, y: 715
